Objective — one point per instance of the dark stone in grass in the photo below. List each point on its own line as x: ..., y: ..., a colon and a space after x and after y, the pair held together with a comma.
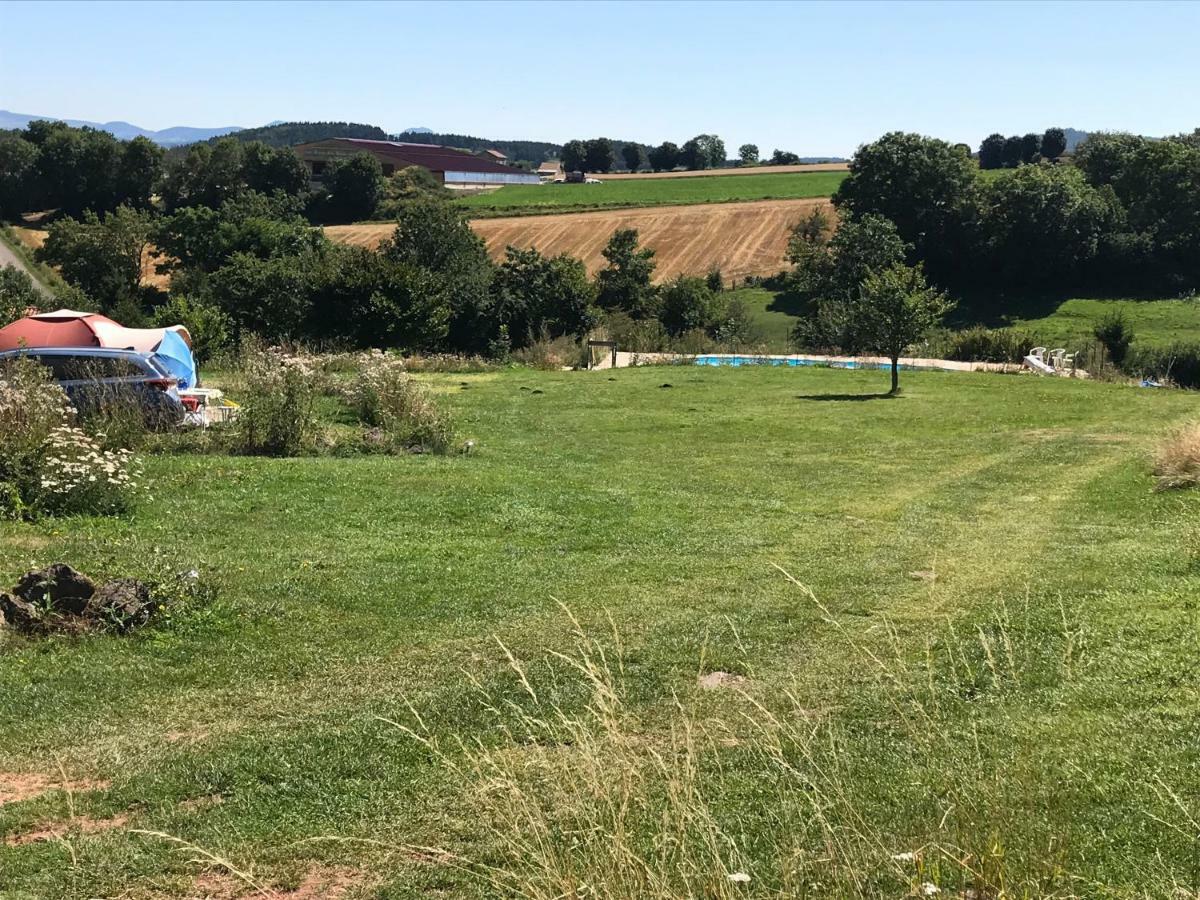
x: 539, y: 392
x: 612, y: 379
x: 523, y: 388
x: 666, y: 385
x: 18, y: 613
x: 58, y: 587
x: 123, y: 603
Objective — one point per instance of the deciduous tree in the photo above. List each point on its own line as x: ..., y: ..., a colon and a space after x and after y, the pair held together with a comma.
x: 598, y: 155
x: 625, y: 282
x: 539, y: 296
x: 991, y: 152
x: 574, y: 154
x: 687, y: 304
x: 1031, y: 144
x: 926, y: 187
x: 634, y: 155
x: 664, y: 157
x: 103, y: 257
x: 1054, y: 143
x: 896, y: 309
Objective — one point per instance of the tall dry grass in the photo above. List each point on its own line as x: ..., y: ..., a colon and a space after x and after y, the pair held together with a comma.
x: 765, y: 797
x: 1176, y: 461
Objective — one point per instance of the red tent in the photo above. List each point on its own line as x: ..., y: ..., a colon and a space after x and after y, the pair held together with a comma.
x: 64, y: 328
x: 68, y: 328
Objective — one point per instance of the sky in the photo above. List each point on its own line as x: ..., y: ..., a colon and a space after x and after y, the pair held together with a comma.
x: 813, y: 78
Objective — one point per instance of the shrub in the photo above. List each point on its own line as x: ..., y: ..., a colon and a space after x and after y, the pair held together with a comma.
x: 210, y: 327
x: 734, y: 326
x: 687, y: 303
x: 551, y: 354
x: 47, y: 465
x: 1177, y: 363
x: 635, y: 335
x: 18, y: 294
x: 1116, y: 336
x: 1177, y: 459
x: 979, y: 344
x: 278, y: 416
x: 386, y: 397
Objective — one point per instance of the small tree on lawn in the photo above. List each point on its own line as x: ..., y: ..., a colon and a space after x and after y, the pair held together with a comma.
x: 895, y: 310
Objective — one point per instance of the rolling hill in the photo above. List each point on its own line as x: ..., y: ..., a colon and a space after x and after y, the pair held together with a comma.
x: 126, y: 131
x: 738, y: 238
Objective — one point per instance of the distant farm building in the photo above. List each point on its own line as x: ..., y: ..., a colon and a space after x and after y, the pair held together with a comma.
x: 550, y: 170
x: 454, y: 168
x: 495, y: 156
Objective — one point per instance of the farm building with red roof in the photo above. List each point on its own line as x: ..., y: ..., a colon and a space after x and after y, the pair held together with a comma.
x: 454, y: 168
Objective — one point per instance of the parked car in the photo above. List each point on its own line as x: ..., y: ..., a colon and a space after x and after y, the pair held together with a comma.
x: 94, y: 378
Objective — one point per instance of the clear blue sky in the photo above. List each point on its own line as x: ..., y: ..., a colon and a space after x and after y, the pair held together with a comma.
x: 813, y: 78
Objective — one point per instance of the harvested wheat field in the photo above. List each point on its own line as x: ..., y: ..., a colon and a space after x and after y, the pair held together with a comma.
x: 738, y: 238
x: 742, y: 170
x: 33, y: 238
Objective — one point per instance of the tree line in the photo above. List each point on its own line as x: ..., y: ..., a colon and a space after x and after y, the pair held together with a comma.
x: 50, y: 166
x: 248, y: 262
x: 704, y: 151
x: 917, y: 224
x: 1121, y: 218
x: 1000, y: 152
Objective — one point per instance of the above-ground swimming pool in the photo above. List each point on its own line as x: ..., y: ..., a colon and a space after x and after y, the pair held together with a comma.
x: 721, y: 359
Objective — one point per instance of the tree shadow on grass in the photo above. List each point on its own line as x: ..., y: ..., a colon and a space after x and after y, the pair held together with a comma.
x: 850, y: 397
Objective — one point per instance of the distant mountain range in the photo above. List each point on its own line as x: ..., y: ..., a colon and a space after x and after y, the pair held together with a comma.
x: 167, y: 137
x: 280, y: 133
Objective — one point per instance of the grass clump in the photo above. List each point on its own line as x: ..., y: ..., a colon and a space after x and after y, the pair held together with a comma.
x: 385, y: 397
x: 278, y: 417
x: 1177, y: 459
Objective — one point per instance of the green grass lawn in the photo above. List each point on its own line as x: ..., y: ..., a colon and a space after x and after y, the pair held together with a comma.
x: 547, y: 198
x: 774, y: 323
x: 1028, y: 706
x: 1154, y: 322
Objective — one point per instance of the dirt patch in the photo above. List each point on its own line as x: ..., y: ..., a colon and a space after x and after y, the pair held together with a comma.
x: 715, y: 680
x: 198, y: 804
x: 16, y: 787
x: 320, y: 883
x: 79, y: 825
x: 326, y: 884
x: 220, y: 886
x: 738, y: 238
x: 186, y: 736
